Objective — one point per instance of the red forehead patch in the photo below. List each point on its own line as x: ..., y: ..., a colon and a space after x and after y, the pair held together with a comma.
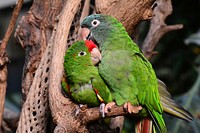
x: 90, y: 45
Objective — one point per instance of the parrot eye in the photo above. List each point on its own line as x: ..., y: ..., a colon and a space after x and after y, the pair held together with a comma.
x: 82, y: 53
x: 95, y: 22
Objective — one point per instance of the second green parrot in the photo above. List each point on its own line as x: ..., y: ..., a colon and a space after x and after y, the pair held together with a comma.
x: 83, y: 82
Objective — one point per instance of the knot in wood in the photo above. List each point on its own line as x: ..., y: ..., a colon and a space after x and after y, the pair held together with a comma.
x: 148, y: 14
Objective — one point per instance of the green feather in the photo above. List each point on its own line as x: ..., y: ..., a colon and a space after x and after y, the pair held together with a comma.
x: 170, y: 106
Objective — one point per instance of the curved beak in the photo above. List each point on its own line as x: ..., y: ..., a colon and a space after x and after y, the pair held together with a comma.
x: 85, y: 33
x: 95, y: 56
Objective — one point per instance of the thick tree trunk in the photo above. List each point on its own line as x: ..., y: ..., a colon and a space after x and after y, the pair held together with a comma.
x: 33, y: 34
x: 129, y: 12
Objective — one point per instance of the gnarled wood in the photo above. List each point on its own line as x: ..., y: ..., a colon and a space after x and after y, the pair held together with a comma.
x: 33, y: 34
x: 61, y: 107
x: 158, y: 27
x: 4, y: 58
x: 128, y: 12
x: 36, y: 30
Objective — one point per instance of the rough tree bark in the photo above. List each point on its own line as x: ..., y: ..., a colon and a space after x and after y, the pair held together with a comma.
x: 43, y: 34
x: 128, y: 12
x: 33, y: 33
x: 63, y: 118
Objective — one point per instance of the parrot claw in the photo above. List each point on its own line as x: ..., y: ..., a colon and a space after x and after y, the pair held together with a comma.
x: 80, y: 107
x: 77, y: 110
x: 101, y: 109
x: 132, y: 109
x: 83, y: 106
x: 108, y: 106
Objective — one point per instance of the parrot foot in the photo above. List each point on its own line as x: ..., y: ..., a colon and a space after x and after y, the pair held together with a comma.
x: 132, y: 109
x: 108, y: 106
x: 102, y: 109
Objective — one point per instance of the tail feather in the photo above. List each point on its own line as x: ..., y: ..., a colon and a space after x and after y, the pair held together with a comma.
x: 145, y: 126
x: 158, y: 121
x: 169, y: 105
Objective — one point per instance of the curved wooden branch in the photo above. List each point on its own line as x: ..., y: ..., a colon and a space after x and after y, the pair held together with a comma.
x: 11, y: 25
x: 158, y: 27
x: 91, y: 114
x: 61, y: 107
x: 4, y: 58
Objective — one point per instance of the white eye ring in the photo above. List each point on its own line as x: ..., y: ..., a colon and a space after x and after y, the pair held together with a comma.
x: 82, y: 53
x: 95, y: 22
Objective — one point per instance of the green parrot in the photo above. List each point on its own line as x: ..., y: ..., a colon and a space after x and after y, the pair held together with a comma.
x: 82, y: 82
x: 143, y: 125
x: 127, y: 73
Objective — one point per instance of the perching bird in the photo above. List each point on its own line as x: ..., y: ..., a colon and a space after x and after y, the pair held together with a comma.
x: 146, y: 125
x: 127, y: 73
x: 83, y: 83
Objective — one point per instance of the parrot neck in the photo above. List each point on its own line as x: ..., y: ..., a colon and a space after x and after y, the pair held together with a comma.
x: 118, y: 41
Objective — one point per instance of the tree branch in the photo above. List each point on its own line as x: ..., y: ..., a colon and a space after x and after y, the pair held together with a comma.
x: 11, y: 25
x: 3, y: 84
x: 158, y: 27
x: 4, y: 58
x: 60, y: 106
x: 91, y: 114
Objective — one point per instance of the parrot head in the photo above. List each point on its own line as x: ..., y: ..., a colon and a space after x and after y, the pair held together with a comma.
x: 101, y: 27
x: 83, y: 51
x: 77, y: 53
